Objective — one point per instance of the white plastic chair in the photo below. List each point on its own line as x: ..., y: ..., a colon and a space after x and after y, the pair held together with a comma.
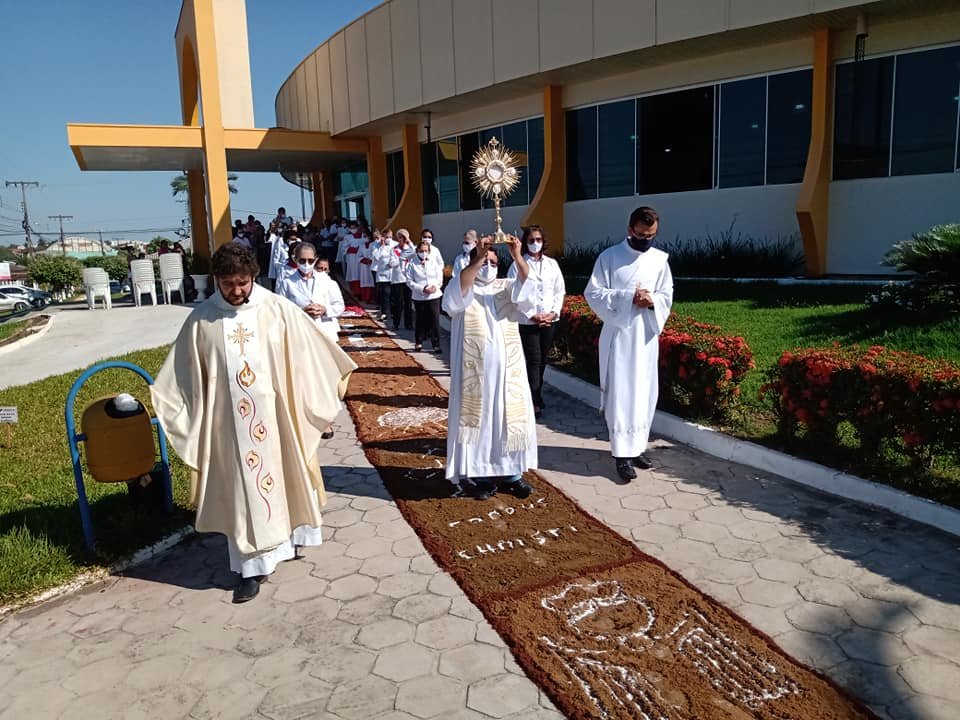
x: 171, y: 277
x: 97, y: 282
x: 143, y: 281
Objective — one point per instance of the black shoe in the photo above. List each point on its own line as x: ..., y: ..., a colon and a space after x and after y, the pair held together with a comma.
x: 516, y: 486
x: 484, y: 489
x: 248, y: 588
x: 437, y: 350
x: 327, y: 435
x: 625, y: 469
x: 642, y: 462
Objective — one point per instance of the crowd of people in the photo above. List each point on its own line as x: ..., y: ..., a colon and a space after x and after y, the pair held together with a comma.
x: 502, y: 327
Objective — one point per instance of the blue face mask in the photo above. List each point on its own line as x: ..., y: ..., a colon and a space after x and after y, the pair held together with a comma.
x: 641, y: 244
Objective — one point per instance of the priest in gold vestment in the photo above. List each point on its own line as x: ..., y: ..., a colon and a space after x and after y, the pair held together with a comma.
x: 249, y: 386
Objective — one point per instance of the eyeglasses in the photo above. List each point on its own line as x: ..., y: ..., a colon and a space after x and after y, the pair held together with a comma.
x: 308, y: 261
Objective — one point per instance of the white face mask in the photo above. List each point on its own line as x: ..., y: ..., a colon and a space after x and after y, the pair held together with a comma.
x: 535, y: 247
x: 487, y: 274
x: 467, y: 247
x: 428, y: 240
x: 305, y: 267
x: 423, y: 256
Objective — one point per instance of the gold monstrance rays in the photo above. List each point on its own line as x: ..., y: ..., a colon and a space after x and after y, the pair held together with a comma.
x: 495, y: 175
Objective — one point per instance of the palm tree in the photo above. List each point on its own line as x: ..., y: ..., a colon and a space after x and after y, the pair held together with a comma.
x: 180, y: 187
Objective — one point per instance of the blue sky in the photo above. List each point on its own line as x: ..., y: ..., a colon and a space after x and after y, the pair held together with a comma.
x: 114, y: 61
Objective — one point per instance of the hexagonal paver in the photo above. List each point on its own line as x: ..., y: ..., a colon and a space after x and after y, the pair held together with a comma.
x: 816, y: 618
x: 369, y: 548
x: 729, y: 572
x: 880, y: 648
x: 671, y: 516
x: 296, y: 699
x: 366, y: 609
x: 686, y: 501
x: 736, y: 549
x: 267, y: 639
x: 408, y: 547
x: 336, y: 567
x: 817, y: 650
x: 443, y: 584
x: 395, y: 530
x: 344, y: 665
x: 445, y: 633
x: 755, y: 531
x: 655, y: 534
x: 422, y: 607
x: 768, y: 593
x: 502, y: 695
x: 934, y: 640
x: 405, y: 662
x: 642, y: 502
x: 471, y: 663
x: 385, y: 633
x: 429, y: 697
x: 358, y: 532
x: 300, y: 590
x: 342, y: 518
x: 223, y: 670
x: 350, y: 587
x: 363, y: 699
x: 385, y: 565
x: 780, y: 570
x: 320, y: 637
x: 881, y: 615
x: 827, y: 592
x: 704, y: 531
x: 276, y: 668
x: 381, y: 515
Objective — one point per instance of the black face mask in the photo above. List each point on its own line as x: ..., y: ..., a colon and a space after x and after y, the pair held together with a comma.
x: 640, y: 244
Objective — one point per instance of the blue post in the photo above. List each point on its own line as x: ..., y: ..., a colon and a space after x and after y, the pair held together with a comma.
x: 73, y: 438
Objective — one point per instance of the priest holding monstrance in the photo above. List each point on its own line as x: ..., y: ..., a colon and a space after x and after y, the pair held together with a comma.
x: 492, y: 435
x: 249, y: 386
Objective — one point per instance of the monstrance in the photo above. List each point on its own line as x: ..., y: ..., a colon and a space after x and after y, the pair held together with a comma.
x: 495, y: 175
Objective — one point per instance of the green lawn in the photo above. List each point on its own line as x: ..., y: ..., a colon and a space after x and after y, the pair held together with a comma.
x: 8, y: 329
x: 773, y: 318
x: 40, y: 538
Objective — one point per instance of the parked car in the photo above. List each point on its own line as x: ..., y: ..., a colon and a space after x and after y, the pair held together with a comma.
x: 117, y: 287
x: 13, y: 303
x: 36, y: 298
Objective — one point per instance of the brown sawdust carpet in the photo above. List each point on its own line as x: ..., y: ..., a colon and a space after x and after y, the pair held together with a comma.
x: 606, y: 630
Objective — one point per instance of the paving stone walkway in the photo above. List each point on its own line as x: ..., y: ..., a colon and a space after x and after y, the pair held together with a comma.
x: 367, y: 626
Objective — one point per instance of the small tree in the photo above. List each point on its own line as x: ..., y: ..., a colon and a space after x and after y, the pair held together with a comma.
x: 154, y: 245
x: 115, y: 265
x: 55, y: 271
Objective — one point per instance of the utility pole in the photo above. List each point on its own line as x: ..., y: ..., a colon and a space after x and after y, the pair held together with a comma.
x: 24, y: 184
x: 61, y: 218
x: 102, y: 251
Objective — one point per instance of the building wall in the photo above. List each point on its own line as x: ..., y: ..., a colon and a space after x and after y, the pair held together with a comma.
x: 756, y: 212
x: 868, y: 216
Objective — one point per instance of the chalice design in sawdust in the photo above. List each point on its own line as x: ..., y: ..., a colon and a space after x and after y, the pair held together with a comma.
x: 606, y: 632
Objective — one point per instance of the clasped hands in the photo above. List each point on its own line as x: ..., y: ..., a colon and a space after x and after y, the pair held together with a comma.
x: 642, y: 298
x: 315, y: 310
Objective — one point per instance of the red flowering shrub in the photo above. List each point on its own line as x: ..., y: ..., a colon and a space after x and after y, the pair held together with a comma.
x: 700, y: 367
x: 886, y: 395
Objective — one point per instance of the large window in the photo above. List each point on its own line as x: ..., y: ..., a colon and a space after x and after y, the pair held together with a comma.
x: 925, y: 112
x: 582, y: 154
x: 616, y: 143
x: 676, y: 142
x: 428, y: 164
x: 743, y: 123
x: 351, y: 180
x: 864, y: 95
x: 448, y: 175
x: 534, y: 154
x: 515, y: 138
x: 789, y: 97
x: 396, y: 182
x: 469, y: 195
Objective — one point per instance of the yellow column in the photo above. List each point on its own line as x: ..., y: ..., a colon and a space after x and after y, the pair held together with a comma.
x: 546, y: 208
x: 214, y: 152
x: 198, y: 218
x: 377, y: 179
x: 409, y: 213
x: 813, y: 203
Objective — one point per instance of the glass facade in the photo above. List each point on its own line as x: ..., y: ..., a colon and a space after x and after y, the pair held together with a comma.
x: 742, y: 129
x: 789, y: 98
x: 675, y: 151
x: 616, y: 137
x: 582, y: 154
x: 396, y: 181
x: 861, y: 134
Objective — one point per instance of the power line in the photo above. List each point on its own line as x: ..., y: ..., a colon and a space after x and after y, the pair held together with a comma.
x: 135, y: 231
x: 61, y: 218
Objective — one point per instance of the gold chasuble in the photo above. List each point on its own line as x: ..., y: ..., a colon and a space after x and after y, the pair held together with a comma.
x: 243, y: 397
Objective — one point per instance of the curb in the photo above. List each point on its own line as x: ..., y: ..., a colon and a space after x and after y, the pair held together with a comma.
x: 23, y: 342
x: 102, y: 573
x: 804, y: 472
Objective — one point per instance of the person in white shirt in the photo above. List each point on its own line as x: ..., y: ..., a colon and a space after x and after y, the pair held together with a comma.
x: 310, y: 288
x: 425, y: 279
x: 384, y: 260
x: 538, y: 330
x: 631, y: 291
x: 435, y: 256
x: 278, y: 254
x: 401, y: 299
x: 463, y: 259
